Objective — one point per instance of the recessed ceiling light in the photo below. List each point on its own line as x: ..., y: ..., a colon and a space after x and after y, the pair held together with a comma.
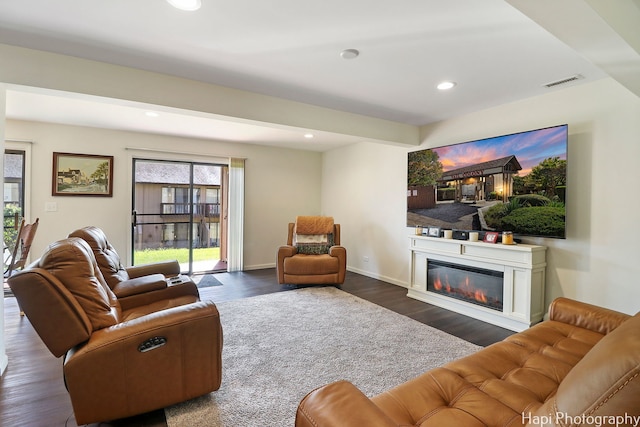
x: 446, y: 85
x: 349, y: 53
x: 151, y: 114
x: 308, y: 135
x: 189, y: 5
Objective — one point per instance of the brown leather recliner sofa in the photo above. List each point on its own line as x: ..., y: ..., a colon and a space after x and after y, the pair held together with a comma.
x: 581, y: 367
x: 307, y: 263
x: 118, y: 362
x: 135, y: 285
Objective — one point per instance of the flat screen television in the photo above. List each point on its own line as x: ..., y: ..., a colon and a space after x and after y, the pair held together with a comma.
x: 511, y: 183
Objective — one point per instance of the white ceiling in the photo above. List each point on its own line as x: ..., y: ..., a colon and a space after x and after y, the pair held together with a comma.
x: 290, y: 49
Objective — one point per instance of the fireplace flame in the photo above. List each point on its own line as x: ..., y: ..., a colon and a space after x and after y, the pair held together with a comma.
x: 480, y: 296
x: 437, y: 284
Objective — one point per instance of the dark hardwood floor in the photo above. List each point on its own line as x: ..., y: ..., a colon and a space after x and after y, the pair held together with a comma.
x: 32, y: 391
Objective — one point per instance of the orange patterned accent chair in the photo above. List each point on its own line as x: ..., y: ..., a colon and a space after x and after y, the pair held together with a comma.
x: 312, y: 255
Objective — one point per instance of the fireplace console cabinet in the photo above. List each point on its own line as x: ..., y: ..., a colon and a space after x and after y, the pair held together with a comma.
x: 495, y: 283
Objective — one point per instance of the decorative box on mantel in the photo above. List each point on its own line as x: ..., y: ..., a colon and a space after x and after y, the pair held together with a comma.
x: 495, y: 283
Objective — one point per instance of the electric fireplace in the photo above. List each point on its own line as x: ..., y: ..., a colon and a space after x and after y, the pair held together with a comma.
x: 495, y: 283
x: 475, y: 285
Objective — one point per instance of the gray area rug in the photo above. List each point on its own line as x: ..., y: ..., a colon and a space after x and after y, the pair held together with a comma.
x: 279, y: 347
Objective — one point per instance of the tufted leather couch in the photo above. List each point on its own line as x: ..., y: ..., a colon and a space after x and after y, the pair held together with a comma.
x: 577, y: 368
x: 118, y: 362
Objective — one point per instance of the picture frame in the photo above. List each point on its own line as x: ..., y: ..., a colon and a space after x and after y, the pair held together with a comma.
x: 433, y: 232
x: 491, y: 237
x: 82, y: 175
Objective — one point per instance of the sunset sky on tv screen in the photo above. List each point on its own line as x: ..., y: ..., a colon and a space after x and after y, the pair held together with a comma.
x: 530, y: 148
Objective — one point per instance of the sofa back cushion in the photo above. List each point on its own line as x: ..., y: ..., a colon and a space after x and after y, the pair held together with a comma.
x: 51, y: 309
x: 106, y: 256
x: 72, y: 262
x: 606, y: 382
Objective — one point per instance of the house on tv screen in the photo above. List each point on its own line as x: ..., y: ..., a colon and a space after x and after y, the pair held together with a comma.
x: 487, y: 180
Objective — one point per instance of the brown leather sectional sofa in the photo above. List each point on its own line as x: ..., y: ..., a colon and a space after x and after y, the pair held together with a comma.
x: 122, y: 356
x: 581, y: 367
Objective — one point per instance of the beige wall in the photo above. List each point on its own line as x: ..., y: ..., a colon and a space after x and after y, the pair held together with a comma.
x: 280, y: 184
x: 364, y: 187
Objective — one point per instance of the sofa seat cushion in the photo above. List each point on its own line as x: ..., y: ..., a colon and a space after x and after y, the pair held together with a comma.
x: 496, y: 384
x: 302, y: 264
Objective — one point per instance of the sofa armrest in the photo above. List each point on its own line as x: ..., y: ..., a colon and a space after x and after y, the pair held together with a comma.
x: 605, y: 382
x: 166, y: 268
x: 139, y: 285
x: 114, y: 375
x: 587, y: 316
x: 173, y: 317
x: 340, y: 404
x: 167, y: 293
x: 341, y: 253
x: 284, y: 251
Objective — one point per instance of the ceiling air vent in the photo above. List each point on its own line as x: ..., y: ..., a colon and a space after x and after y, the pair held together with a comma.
x: 564, y: 81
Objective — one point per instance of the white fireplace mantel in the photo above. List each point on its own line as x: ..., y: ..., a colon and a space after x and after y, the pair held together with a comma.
x: 524, y: 277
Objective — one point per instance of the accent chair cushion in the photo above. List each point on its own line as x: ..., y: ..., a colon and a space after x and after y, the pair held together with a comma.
x: 301, y: 265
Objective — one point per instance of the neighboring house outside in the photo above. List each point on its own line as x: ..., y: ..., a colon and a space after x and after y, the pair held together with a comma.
x: 164, y: 210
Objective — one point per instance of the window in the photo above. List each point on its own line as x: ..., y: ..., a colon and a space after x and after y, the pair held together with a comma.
x: 175, y: 200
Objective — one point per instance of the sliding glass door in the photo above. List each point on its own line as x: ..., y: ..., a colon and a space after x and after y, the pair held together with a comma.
x: 179, y: 213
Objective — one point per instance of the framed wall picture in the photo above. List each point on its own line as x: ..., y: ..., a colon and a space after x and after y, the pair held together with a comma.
x: 433, y: 232
x: 82, y: 175
x: 490, y: 237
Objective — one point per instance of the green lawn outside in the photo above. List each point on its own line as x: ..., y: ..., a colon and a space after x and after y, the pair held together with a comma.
x: 148, y: 256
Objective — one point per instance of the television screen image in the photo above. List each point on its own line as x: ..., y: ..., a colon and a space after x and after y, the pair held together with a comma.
x: 511, y: 183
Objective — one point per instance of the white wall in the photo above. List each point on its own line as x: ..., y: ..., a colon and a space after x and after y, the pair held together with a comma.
x: 364, y: 186
x: 280, y: 184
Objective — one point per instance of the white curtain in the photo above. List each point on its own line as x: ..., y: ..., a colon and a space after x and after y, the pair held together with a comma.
x: 235, y: 261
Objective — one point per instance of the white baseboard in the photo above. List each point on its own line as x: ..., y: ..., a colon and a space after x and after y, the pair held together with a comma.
x: 258, y: 267
x: 352, y: 269
x: 378, y: 277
